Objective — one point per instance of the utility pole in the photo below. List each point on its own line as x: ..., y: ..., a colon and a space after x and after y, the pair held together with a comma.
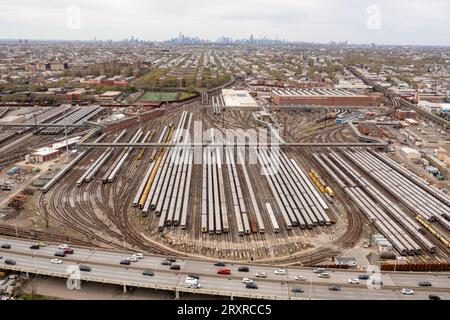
x: 65, y: 133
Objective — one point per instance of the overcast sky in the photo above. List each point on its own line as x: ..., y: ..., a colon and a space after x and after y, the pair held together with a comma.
x: 357, y: 21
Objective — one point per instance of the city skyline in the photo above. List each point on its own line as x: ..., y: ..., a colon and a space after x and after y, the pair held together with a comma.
x: 358, y: 22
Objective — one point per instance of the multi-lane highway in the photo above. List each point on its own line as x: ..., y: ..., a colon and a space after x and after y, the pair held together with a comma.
x: 106, y: 268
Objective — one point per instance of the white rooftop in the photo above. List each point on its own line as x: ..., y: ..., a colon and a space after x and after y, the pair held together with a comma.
x: 238, y: 98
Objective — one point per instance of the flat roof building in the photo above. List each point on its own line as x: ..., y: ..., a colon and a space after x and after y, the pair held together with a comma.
x: 324, y: 97
x: 238, y: 98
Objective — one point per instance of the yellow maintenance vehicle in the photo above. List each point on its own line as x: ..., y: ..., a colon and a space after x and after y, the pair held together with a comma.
x: 433, y: 231
x: 321, y: 184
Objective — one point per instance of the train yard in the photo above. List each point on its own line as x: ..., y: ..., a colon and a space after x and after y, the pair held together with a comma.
x: 165, y: 200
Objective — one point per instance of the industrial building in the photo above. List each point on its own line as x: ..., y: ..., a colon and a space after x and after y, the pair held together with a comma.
x: 238, y: 98
x: 324, y: 97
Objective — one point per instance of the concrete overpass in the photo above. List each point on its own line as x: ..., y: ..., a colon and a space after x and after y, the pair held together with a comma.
x: 106, y: 269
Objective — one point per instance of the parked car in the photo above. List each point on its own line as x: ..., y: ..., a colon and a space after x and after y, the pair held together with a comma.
x: 246, y: 280
x: 251, y: 285
x: 297, y: 290
x: 224, y: 271
x: 425, y: 284
x: 243, y: 269
x: 60, y: 254
x: 363, y: 277
x: 434, y: 297
x: 34, y: 247
x: 300, y: 278
x: 407, y: 292
x: 148, y: 273
x: 261, y: 275
x: 56, y: 261
x: 10, y: 262
x: 175, y: 267
x: 125, y: 262
x: 219, y: 264
x: 280, y: 271
x: 85, y: 268
x: 353, y: 281
x: 334, y: 288
x: 6, y: 246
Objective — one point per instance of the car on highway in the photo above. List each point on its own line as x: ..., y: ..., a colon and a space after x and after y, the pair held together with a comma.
x: 35, y: 247
x: 10, y: 262
x: 353, y: 281
x: 192, y: 283
x: 425, y: 284
x: 319, y: 270
x: 297, y: 290
x: 280, y: 271
x: 434, y: 297
x: 125, y: 262
x: 56, y: 261
x: 68, y: 251
x: 246, y: 280
x: 407, y: 292
x: 224, y: 271
x: 133, y: 259
x: 334, y: 288
x: 84, y: 268
x: 60, y: 254
x: 243, y: 269
x: 175, y: 267
x: 219, y: 264
x: 1, y: 257
x: 261, y: 275
x: 140, y: 256
x: 6, y: 246
x: 300, y: 278
x: 148, y: 273
x: 323, y: 275
x: 171, y: 259
x: 166, y: 263
x: 42, y: 244
x: 363, y: 277
x: 194, y: 276
x: 251, y: 285
x: 63, y: 246
x: 377, y: 281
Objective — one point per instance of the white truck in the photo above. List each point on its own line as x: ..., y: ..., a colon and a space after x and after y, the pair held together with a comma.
x: 192, y: 283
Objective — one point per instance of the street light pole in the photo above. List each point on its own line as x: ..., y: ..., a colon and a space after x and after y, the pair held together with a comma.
x: 65, y: 133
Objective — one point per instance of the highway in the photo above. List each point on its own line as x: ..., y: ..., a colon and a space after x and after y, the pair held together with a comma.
x: 106, y: 269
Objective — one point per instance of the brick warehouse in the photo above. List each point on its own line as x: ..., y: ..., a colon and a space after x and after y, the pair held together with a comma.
x: 324, y: 97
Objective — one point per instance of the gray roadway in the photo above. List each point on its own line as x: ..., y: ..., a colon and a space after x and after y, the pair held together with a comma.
x: 105, y: 264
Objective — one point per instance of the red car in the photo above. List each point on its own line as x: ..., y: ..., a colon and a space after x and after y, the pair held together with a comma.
x: 224, y: 271
x: 68, y: 251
